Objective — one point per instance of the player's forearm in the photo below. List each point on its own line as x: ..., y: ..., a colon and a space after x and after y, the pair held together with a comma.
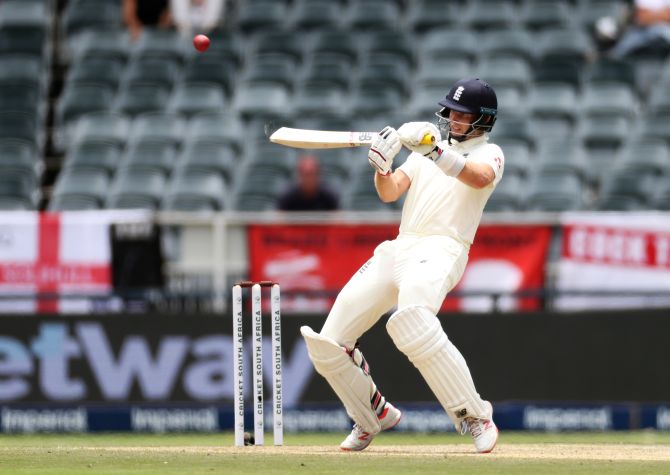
x: 476, y: 175
x: 647, y: 17
x: 387, y: 187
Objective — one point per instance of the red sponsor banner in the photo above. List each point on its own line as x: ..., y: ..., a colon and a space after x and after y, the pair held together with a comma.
x: 323, y: 258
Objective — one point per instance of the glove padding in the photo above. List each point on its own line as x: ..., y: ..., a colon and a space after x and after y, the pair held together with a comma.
x: 447, y: 159
x: 383, y: 150
x: 412, y: 133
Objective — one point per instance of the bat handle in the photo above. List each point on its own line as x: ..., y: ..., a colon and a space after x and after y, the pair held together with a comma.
x: 428, y: 139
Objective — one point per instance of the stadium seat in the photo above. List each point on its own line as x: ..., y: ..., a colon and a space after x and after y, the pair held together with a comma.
x: 113, y: 44
x: 659, y: 99
x: 561, y: 157
x: 269, y: 158
x: 98, y: 70
x: 24, y: 40
x: 89, y: 184
x: 158, y: 126
x: 250, y: 201
x: 383, y: 71
x: 210, y: 157
x: 538, y: 15
x: 553, y: 70
x: 401, y: 46
x: 605, y: 133
x: 646, y: 156
x: 150, y: 155
x: 18, y: 13
x: 152, y: 69
x: 661, y: 198
x: 517, y: 157
x: 74, y: 203
x: 424, y: 15
x: 505, y: 72
x: 656, y: 125
x: 141, y: 97
x: 195, y: 191
x: 623, y: 191
x: 589, y: 11
x: 211, y: 69
x: 225, y: 46
x: 424, y: 100
x: 555, y: 192
x: 369, y: 99
x: 20, y: 157
x: 262, y: 100
x: 191, y: 98
x: 442, y: 71
x: 133, y: 188
x: 373, y: 15
x: 553, y: 100
x: 78, y: 99
x: 283, y: 43
x: 339, y: 42
x: 19, y: 125
x: 457, y: 43
x: 329, y: 67
x: 107, y: 126
x: 608, y: 100
x: 93, y: 155
x: 26, y: 69
x: 485, y: 14
x: 515, y: 43
x: 261, y: 15
x: 566, y: 44
x: 15, y: 203
x: 510, y: 125
x: 221, y: 127
x: 507, y: 195
x: 83, y: 16
x: 19, y: 96
x: 316, y: 14
x: 270, y: 68
x: 607, y: 71
x: 318, y: 98
x: 156, y: 43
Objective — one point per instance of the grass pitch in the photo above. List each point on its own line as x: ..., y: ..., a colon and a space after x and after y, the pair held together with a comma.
x: 393, y: 453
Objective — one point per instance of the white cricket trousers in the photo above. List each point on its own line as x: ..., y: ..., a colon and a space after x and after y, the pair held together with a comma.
x: 410, y: 270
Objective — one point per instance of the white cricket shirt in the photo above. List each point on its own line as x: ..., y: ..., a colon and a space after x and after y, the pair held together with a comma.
x: 437, y: 204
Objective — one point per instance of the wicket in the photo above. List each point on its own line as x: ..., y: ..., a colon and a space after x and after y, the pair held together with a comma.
x: 238, y: 350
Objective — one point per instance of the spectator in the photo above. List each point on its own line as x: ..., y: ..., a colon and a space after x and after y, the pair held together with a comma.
x: 140, y: 13
x: 651, y: 28
x: 308, y: 194
x: 197, y: 16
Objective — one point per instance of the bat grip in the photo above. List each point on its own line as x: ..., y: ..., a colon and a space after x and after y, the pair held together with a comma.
x: 428, y: 139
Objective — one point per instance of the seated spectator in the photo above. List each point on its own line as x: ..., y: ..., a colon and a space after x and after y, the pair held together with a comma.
x: 650, y: 29
x: 197, y: 16
x: 140, y: 13
x: 308, y: 194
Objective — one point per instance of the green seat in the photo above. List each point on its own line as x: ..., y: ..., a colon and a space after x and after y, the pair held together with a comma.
x: 620, y: 184
x: 192, y: 98
x: 484, y: 14
x: 78, y: 17
x: 329, y: 67
x: 15, y: 184
x: 270, y: 68
x: 260, y: 15
x: 400, y: 46
x: 385, y: 71
x: 370, y: 99
x: 219, y: 127
x: 225, y: 46
x: 316, y: 14
x: 141, y: 97
x: 555, y: 192
x: 424, y: 100
x: 19, y: 125
x: 645, y: 155
x: 132, y: 187
x: 656, y: 125
x: 113, y: 44
x: 556, y: 70
x: 23, y: 40
x: 607, y: 70
x: 166, y: 127
x: 553, y: 100
x: 608, y: 100
x: 457, y: 42
x: 318, y: 98
x: 86, y: 183
x: 95, y: 155
x: 20, y: 157
x: 74, y: 203
x: 426, y: 15
x: 273, y: 159
x: 374, y: 15
x: 661, y: 199
x: 211, y: 69
x: 21, y: 13
x: 564, y: 44
x: 590, y: 11
x: 18, y: 96
x: 505, y: 72
x: 538, y: 15
x: 507, y: 195
x: 515, y: 43
x: 517, y: 153
x: 282, y: 43
x: 79, y: 99
x: 563, y: 156
x: 202, y: 190
x: 106, y: 126
x: 99, y: 70
x: 152, y: 69
x: 659, y: 100
x: 607, y: 132
x: 26, y: 69
x: 254, y: 202
x: 254, y: 99
x: 512, y: 126
x: 338, y: 42
x: 15, y: 203
x: 157, y: 43
x: 441, y: 70
x: 152, y: 155
x: 210, y: 157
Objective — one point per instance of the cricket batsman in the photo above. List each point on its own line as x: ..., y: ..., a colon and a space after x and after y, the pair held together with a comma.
x: 447, y: 185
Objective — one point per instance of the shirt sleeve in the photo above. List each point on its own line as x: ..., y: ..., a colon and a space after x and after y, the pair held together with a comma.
x: 412, y: 164
x: 493, y: 156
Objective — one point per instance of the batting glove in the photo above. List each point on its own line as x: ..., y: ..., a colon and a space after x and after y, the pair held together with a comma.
x: 412, y: 133
x: 383, y: 150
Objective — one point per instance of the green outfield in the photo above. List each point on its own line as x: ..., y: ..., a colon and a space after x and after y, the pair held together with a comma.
x: 394, y: 453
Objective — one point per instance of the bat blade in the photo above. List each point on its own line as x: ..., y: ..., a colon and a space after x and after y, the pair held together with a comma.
x: 317, y: 139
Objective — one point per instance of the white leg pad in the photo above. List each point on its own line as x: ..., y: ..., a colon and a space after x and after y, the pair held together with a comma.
x: 350, y: 382
x: 418, y: 334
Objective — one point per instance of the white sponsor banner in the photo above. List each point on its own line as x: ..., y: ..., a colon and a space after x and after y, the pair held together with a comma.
x: 617, y: 254
x: 56, y: 253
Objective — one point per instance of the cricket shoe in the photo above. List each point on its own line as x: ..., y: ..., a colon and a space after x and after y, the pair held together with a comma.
x: 483, y: 431
x: 360, y: 439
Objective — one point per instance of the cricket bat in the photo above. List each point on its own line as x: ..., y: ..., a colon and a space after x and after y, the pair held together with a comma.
x: 317, y: 139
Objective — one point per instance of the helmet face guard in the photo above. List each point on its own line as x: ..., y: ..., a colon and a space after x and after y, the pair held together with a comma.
x: 469, y: 96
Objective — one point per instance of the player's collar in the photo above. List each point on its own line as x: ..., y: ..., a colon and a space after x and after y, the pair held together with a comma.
x: 468, y: 145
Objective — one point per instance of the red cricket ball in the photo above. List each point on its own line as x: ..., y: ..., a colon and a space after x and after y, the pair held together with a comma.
x: 201, y: 43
